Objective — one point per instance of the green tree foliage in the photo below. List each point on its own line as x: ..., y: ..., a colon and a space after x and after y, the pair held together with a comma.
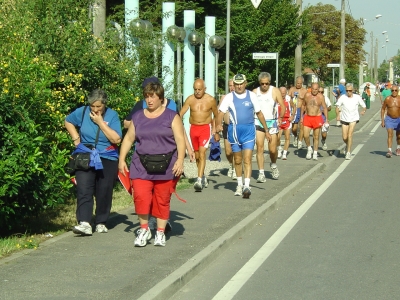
x: 322, y: 46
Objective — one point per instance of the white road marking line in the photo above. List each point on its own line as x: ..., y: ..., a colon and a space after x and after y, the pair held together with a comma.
x: 375, y: 128
x: 244, y: 274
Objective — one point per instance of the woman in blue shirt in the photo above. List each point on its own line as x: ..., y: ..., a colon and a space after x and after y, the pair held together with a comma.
x: 99, y: 133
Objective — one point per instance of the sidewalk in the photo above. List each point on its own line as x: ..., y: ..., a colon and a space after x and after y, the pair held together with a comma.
x: 108, y: 266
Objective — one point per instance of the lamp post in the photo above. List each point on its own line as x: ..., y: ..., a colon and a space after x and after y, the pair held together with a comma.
x: 216, y: 42
x: 196, y: 39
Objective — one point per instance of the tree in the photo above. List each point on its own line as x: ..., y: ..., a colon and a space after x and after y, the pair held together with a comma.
x: 322, y: 46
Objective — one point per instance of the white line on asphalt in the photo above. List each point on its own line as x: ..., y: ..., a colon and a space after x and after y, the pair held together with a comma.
x: 244, y: 274
x: 375, y: 128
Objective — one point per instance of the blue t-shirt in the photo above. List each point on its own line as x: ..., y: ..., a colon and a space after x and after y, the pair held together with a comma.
x: 88, y: 129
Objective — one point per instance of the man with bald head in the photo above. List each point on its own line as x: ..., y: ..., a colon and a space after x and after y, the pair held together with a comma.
x: 297, y: 93
x: 201, y: 106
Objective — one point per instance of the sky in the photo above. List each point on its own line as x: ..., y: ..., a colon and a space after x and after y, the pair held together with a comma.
x: 368, y: 9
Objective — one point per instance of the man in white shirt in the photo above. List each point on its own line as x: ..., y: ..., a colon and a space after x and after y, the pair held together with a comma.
x: 349, y: 115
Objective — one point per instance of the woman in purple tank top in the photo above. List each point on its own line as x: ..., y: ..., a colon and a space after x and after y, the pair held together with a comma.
x: 156, y: 131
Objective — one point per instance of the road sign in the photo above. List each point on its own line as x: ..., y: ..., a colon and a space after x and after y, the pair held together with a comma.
x: 333, y: 65
x: 256, y: 3
x: 264, y: 55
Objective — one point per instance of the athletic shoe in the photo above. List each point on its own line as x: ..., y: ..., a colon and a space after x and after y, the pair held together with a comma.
x: 295, y: 142
x: 309, y: 153
x: 239, y: 190
x: 101, y: 228
x: 261, y: 178
x: 315, y: 156
x: 159, y: 239
x: 324, y: 145
x: 299, y: 145
x: 198, y: 186
x: 389, y: 154
x: 284, y: 156
x: 397, y: 152
x: 143, y: 236
x: 280, y: 150
x: 338, y: 123
x: 230, y: 172
x: 83, y: 228
x: 246, y: 192
x: 234, y: 177
x: 348, y: 156
x: 205, y: 183
x: 275, y: 172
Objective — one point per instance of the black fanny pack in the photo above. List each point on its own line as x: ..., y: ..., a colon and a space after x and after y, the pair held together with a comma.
x: 156, y: 163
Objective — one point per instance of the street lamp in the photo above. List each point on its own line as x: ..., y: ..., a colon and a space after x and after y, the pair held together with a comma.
x: 216, y: 42
x: 196, y: 39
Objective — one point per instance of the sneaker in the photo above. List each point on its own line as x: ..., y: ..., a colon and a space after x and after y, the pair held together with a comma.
x: 295, y: 142
x: 159, y: 239
x: 299, y: 145
x: 246, y: 192
x: 284, y: 156
x: 230, y: 172
x: 389, y: 154
x: 261, y: 178
x: 309, y: 153
x: 234, y: 177
x: 143, y: 236
x: 101, y: 228
x: 239, y: 190
x: 198, y: 186
x: 275, y: 172
x: 205, y: 183
x: 397, y: 152
x: 315, y: 156
x: 348, y: 156
x: 324, y: 145
x: 83, y: 228
x: 280, y: 150
x: 338, y: 123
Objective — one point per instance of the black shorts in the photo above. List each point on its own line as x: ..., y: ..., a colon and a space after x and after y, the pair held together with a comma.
x: 259, y: 128
x: 225, y: 131
x: 348, y: 123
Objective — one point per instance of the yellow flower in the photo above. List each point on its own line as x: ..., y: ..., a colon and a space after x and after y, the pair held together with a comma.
x: 16, y: 96
x: 5, y: 79
x: 18, y: 246
x: 5, y: 91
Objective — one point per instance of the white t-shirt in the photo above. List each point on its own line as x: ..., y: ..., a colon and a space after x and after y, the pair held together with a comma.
x: 349, y: 107
x: 327, y: 102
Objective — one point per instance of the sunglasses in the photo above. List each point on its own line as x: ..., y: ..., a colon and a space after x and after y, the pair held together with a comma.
x: 394, y: 90
x: 321, y: 92
x: 349, y: 90
x: 265, y: 83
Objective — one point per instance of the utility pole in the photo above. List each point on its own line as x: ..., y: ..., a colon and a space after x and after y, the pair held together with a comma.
x: 298, y: 51
x: 376, y: 62
x: 371, y: 59
x: 342, y: 42
x: 99, y: 17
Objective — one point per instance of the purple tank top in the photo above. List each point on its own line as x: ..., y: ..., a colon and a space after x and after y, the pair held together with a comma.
x: 153, y: 136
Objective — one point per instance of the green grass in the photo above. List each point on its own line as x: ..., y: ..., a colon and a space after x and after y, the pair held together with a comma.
x: 59, y: 220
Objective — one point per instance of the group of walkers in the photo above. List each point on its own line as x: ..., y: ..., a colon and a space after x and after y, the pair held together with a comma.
x: 245, y: 119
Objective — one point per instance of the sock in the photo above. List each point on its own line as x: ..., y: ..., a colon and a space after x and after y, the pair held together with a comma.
x: 160, y: 229
x: 273, y: 165
x: 315, y: 152
x: 247, y: 182
x: 390, y: 149
x: 309, y: 148
x: 284, y: 152
x: 240, y: 181
x: 398, y: 146
x: 144, y: 226
x: 262, y: 171
x: 232, y: 167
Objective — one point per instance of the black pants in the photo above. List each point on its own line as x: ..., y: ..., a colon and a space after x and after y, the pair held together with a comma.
x: 99, y: 184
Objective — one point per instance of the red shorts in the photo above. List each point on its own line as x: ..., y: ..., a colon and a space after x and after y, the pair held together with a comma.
x: 200, y: 136
x: 285, y: 124
x: 153, y: 197
x: 313, y: 121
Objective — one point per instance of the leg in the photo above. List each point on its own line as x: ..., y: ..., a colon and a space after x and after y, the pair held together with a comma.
x: 202, y: 161
x: 294, y: 132
x: 272, y: 148
x: 398, y: 142
x: 316, y: 138
x: 306, y: 133
x: 260, y: 138
x: 85, y: 189
x: 228, y: 151
x: 390, y: 137
x: 287, y: 139
x: 247, y: 154
x: 237, y: 158
x: 350, y: 136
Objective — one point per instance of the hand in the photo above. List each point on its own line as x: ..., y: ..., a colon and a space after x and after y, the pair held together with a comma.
x: 122, y: 167
x: 268, y: 137
x: 177, y: 169
x: 77, y: 142
x: 192, y: 156
x: 217, y: 137
x: 96, y: 117
x: 383, y: 123
x: 279, y: 122
x: 363, y: 112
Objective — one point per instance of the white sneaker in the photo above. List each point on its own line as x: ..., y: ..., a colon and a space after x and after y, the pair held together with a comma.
x: 234, y: 177
x: 315, y: 156
x: 261, y: 178
x: 299, y: 145
x: 205, y: 183
x: 143, y: 236
x: 324, y: 145
x: 198, y: 186
x: 230, y: 172
x: 239, y: 190
x: 309, y: 154
x: 246, y: 192
x: 101, y: 228
x: 348, y: 156
x: 280, y: 150
x: 275, y: 172
x: 83, y: 228
x: 338, y: 123
x: 284, y: 156
x: 295, y: 142
x: 159, y: 239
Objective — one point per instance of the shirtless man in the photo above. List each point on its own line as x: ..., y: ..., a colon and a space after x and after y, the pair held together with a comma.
x: 313, y: 101
x: 268, y: 97
x: 227, y: 145
x: 202, y: 106
x: 285, y: 124
x: 325, y: 129
x: 297, y: 93
x: 391, y: 105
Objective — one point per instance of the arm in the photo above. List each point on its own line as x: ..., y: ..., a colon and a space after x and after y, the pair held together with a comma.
x: 125, y: 147
x: 72, y: 132
x: 179, y: 136
x: 110, y: 133
x: 325, y: 109
x: 185, y: 107
x: 362, y: 104
x: 261, y: 118
x: 279, y: 100
x: 383, y: 111
x: 213, y: 123
x: 128, y: 119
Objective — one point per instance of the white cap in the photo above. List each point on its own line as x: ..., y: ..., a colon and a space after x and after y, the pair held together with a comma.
x: 342, y: 80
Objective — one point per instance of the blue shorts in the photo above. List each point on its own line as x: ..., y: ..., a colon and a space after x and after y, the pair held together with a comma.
x: 391, y: 123
x: 242, y: 136
x: 297, y: 116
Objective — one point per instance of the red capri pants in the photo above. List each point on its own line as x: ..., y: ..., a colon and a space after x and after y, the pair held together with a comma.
x: 153, y: 197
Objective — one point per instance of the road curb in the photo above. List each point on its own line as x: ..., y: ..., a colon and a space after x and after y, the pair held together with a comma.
x: 177, y: 279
